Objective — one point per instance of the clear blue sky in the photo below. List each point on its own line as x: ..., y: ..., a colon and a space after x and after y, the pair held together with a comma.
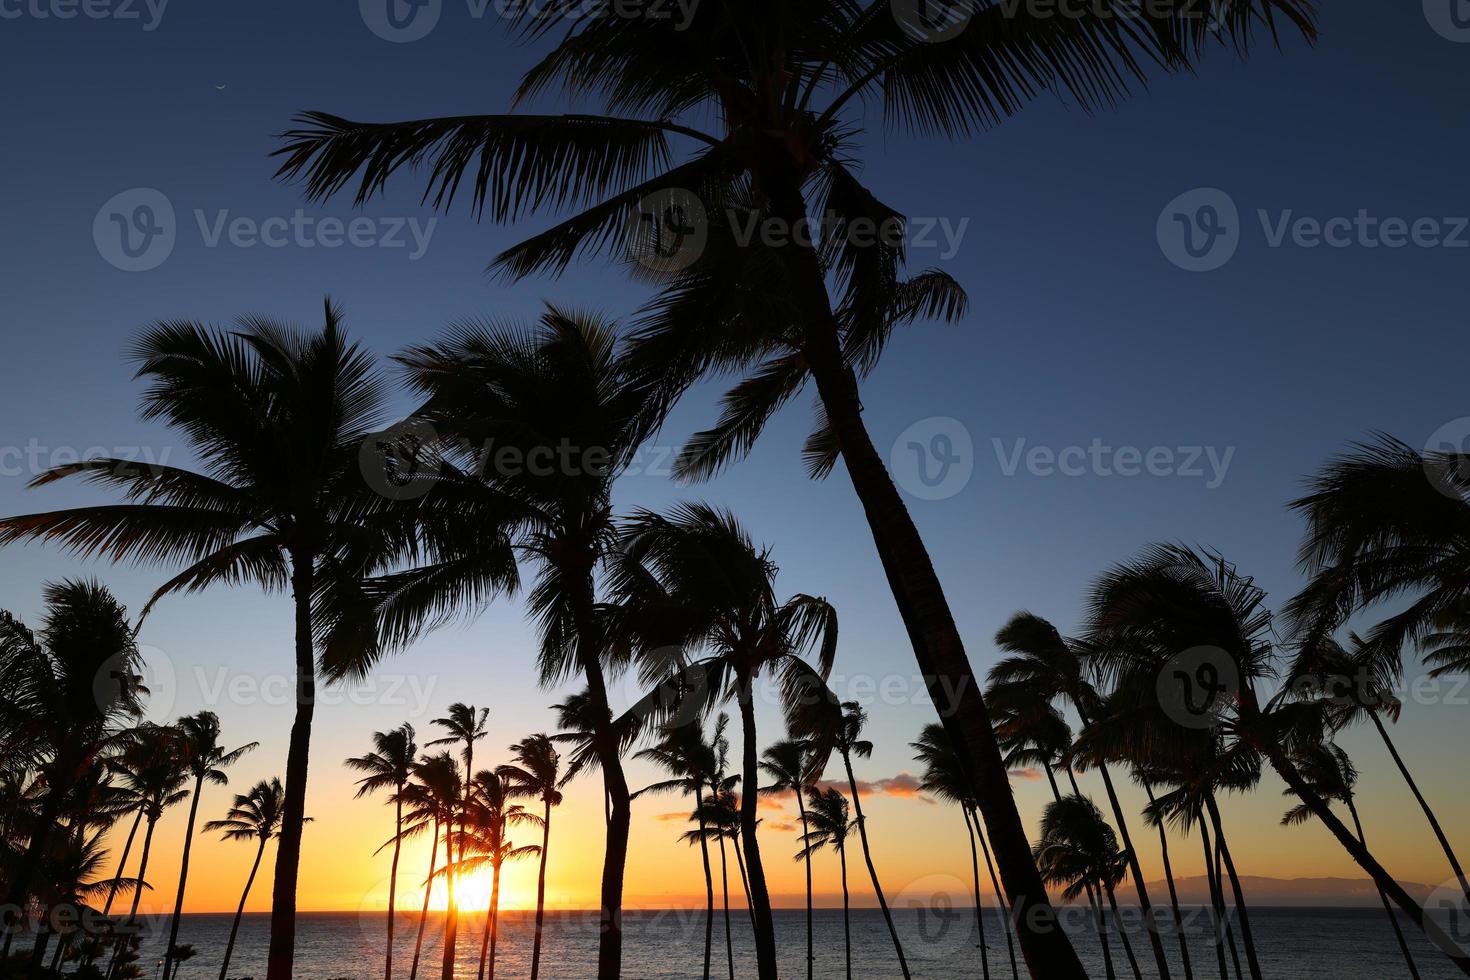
x: 1081, y: 327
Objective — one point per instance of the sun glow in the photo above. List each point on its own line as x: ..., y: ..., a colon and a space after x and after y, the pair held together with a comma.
x: 472, y: 894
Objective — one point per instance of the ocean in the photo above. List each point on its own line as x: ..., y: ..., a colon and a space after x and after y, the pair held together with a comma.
x: 1294, y: 944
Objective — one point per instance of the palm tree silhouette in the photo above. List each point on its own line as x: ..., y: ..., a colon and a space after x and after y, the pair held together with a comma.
x: 1172, y: 599
x: 434, y: 800
x: 1077, y: 848
x: 1047, y: 664
x: 718, y: 819
x: 827, y: 815
x: 690, y: 759
x: 1357, y: 684
x: 786, y: 86
x: 464, y: 724
x: 389, y: 767
x: 789, y: 763
x: 280, y: 418
x: 837, y: 727
x: 68, y: 689
x: 545, y: 418
x: 944, y: 777
x: 536, y: 774
x: 206, y: 760
x: 71, y: 880
x: 701, y: 580
x: 254, y: 816
x: 1329, y: 771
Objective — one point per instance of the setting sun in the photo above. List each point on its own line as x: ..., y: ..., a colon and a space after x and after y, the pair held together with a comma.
x: 472, y: 894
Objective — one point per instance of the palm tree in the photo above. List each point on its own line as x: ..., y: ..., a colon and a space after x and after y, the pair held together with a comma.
x: 789, y: 765
x: 1171, y: 599
x: 206, y: 760
x: 1077, y: 848
x: 834, y: 726
x: 1045, y: 663
x: 179, y: 955
x: 536, y: 774
x: 1356, y: 684
x: 699, y: 580
x: 434, y: 799
x: 692, y: 761
x: 545, y: 418
x: 464, y: 724
x: 72, y: 881
x: 787, y: 82
x: 944, y: 777
x: 486, y: 837
x: 254, y: 816
x: 829, y: 826
x: 162, y: 774
x: 55, y: 719
x: 279, y: 417
x: 389, y: 767
x: 1329, y: 771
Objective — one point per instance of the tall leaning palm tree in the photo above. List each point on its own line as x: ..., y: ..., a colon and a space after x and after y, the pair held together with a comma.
x: 206, y: 760
x: 254, y: 816
x: 1041, y: 660
x: 536, y: 774
x: 829, y: 826
x: 542, y: 420
x: 279, y: 418
x: 1329, y: 771
x: 462, y: 724
x: 788, y: 84
x: 389, y: 767
x: 1171, y: 599
x: 788, y: 763
x: 699, y: 579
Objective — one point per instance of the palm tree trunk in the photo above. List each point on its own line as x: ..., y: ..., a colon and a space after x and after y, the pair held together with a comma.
x: 122, y: 863
x: 979, y: 908
x: 846, y: 923
x: 1102, y: 932
x: 807, y: 860
x: 1122, y: 932
x: 1173, y: 891
x: 451, y: 910
x: 173, y: 927
x: 765, y: 927
x: 862, y: 823
x: 1229, y: 928
x: 709, y: 882
x: 418, y: 945
x: 18, y: 891
x: 1393, y: 918
x: 392, y: 882
x: 744, y: 882
x: 1218, y: 912
x: 1000, y: 898
x: 282, y: 952
x: 489, y: 938
x: 541, y: 893
x: 725, y: 884
x: 940, y: 652
x: 240, y: 911
x: 1246, y: 938
x: 137, y: 892
x: 1051, y: 778
x: 1136, y: 870
x: 1439, y: 834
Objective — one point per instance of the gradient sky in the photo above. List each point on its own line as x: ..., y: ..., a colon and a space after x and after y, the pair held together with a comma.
x: 1081, y: 329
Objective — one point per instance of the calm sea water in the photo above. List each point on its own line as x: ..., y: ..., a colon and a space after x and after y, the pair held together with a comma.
x: 1294, y: 944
